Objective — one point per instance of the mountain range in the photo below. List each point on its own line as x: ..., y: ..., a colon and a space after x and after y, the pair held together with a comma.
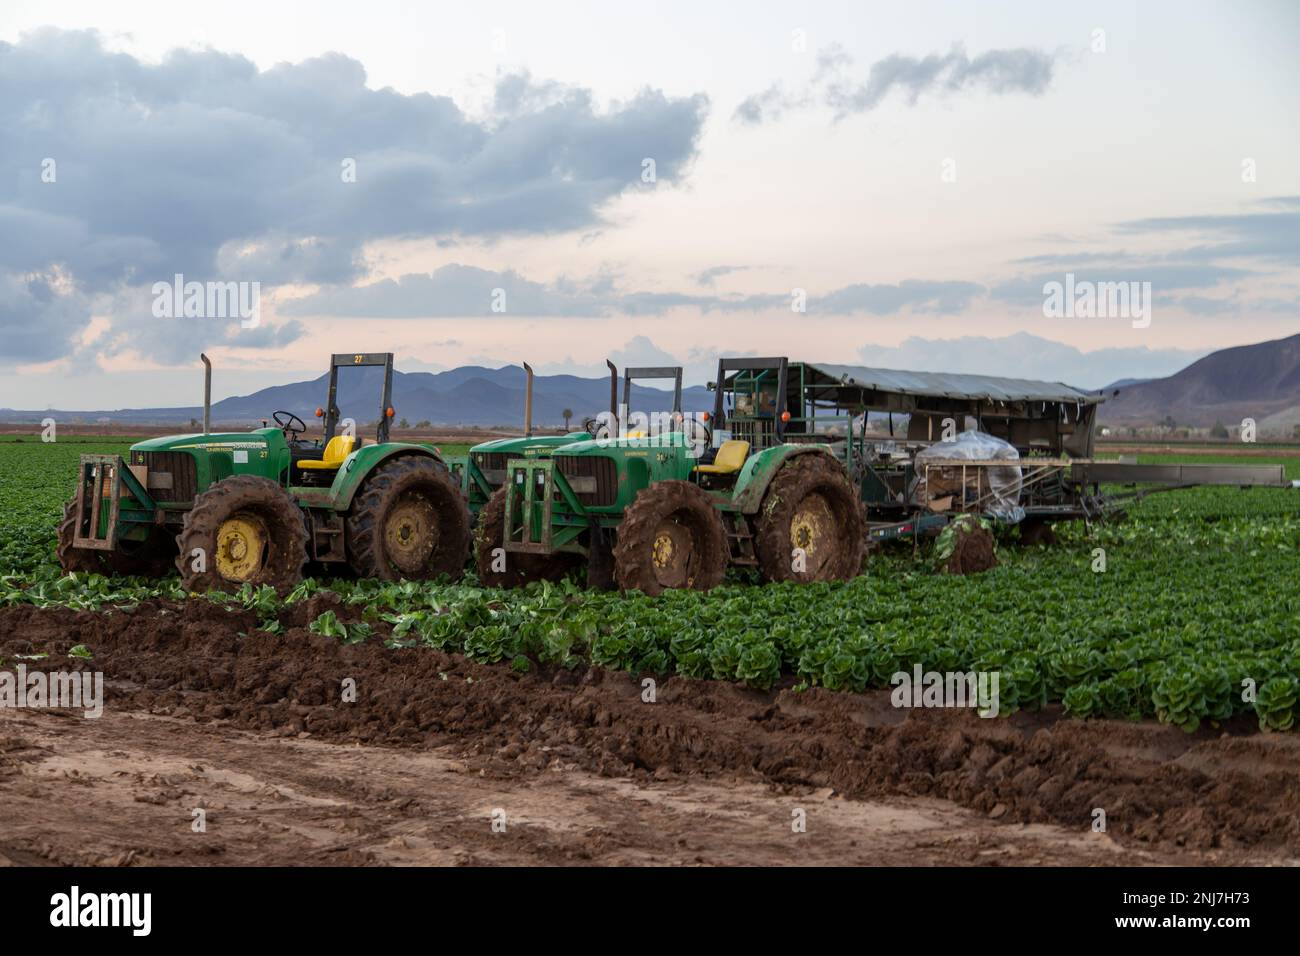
x: 470, y: 395
x: 1260, y: 381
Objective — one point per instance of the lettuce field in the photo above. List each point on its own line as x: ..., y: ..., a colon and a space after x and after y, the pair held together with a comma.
x: 1187, y: 612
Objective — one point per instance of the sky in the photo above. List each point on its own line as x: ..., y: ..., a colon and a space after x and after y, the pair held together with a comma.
x: 891, y: 185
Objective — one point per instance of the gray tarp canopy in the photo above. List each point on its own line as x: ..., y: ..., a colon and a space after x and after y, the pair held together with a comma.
x: 949, y: 385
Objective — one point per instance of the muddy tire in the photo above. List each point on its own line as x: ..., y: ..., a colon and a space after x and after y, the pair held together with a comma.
x: 249, y: 530
x: 410, y: 521
x: 671, y: 537
x: 811, y: 505
x: 520, y: 568
x: 83, y: 560
x: 1033, y: 532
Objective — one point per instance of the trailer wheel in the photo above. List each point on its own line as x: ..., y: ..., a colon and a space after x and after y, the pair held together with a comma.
x: 520, y: 568
x: 409, y: 520
x: 810, y: 525
x: 243, y: 530
x: 671, y: 537
x: 1034, y: 532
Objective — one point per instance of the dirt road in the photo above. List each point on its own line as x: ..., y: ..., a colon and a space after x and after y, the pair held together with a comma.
x: 441, y: 761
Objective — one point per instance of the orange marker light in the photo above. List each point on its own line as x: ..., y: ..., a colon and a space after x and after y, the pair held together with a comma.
x: 320, y: 413
x: 704, y: 416
x: 785, y: 416
x: 390, y: 412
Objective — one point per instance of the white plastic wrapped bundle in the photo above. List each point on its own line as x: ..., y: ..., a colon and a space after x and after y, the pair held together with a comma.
x: 944, y: 489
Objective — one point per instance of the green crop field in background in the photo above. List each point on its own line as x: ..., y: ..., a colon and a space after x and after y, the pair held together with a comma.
x: 1201, y: 591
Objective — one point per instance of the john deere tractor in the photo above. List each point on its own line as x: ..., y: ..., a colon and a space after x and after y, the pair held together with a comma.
x: 483, y: 476
x: 254, y: 507
x: 673, y: 508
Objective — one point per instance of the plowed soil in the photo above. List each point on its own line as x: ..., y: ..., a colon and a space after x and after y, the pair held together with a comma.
x: 204, y: 711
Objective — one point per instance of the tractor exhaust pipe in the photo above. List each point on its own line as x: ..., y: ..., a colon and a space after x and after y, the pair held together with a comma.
x: 207, y: 394
x: 613, y: 389
x: 528, y: 402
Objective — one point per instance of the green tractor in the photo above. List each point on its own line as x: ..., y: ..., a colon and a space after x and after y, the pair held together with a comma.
x: 483, y: 476
x: 238, y: 508
x: 673, y: 508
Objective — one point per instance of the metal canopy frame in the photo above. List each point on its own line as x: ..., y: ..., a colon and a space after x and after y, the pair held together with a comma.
x: 653, y: 372
x: 382, y: 360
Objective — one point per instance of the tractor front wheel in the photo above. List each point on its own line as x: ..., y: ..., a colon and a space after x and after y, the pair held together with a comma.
x: 511, y: 570
x: 671, y: 537
x: 242, y: 530
x: 410, y: 521
x: 810, y: 525
x: 72, y: 559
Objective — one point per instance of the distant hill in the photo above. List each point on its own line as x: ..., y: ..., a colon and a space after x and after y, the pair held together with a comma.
x: 1248, y: 381
x: 470, y: 395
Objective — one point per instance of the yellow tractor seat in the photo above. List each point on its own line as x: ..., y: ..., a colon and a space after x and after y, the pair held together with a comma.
x: 339, y: 447
x: 731, y: 456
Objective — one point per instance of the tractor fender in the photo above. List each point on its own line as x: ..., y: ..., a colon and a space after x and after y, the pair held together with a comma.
x: 760, y: 469
x: 358, y: 466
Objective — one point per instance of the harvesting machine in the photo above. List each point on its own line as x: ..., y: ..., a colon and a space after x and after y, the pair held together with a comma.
x: 801, y: 466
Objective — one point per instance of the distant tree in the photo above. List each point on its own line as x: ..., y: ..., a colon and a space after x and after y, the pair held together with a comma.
x: 1169, y: 423
x: 403, y: 424
x: 424, y: 423
x: 567, y: 413
x: 1219, y: 430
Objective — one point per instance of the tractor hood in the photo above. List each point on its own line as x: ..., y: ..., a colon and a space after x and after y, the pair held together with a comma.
x: 216, y: 441
x: 600, y: 446
x: 519, y: 446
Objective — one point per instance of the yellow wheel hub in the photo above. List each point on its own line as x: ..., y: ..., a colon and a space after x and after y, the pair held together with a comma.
x: 241, y: 544
x: 810, y: 527
x: 663, y: 549
x: 411, y: 534
x: 670, y: 555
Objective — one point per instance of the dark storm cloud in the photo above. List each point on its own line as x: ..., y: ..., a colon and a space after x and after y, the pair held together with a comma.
x: 207, y: 166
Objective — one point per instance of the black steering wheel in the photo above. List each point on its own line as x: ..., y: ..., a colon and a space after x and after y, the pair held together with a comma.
x: 291, y: 431
x: 697, y: 430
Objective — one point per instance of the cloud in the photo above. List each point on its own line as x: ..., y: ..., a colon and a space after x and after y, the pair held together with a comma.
x: 460, y: 291
x: 204, y: 165
x: 40, y: 318
x: 1164, y: 278
x: 1011, y: 355
x: 1272, y: 236
x: 916, y: 294
x: 839, y: 86
x: 709, y: 276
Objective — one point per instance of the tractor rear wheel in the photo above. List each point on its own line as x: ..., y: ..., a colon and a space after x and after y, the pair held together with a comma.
x: 810, y: 525
x: 671, y: 537
x: 410, y: 521
x: 520, y: 568
x: 242, y: 530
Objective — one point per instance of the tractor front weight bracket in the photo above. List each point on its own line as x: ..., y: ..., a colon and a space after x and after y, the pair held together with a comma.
x: 531, y: 488
x: 102, y: 479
